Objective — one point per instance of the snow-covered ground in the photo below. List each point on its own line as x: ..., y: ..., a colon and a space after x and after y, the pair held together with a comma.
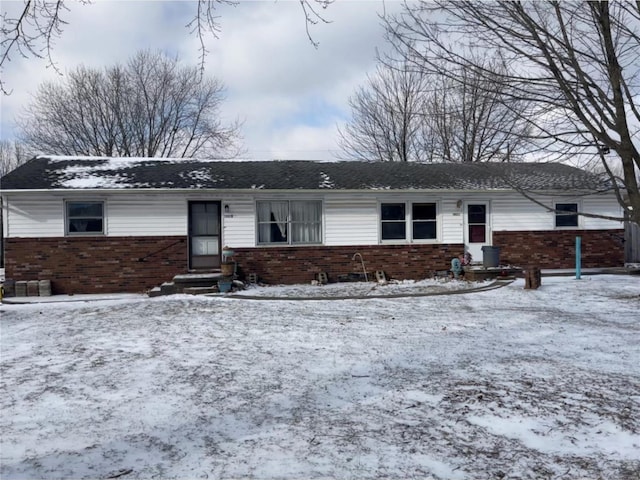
x: 499, y: 384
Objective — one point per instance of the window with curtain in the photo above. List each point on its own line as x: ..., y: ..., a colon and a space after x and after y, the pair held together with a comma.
x: 289, y: 222
x: 84, y: 218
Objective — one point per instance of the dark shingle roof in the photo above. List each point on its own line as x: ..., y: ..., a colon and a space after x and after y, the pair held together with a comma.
x: 45, y: 173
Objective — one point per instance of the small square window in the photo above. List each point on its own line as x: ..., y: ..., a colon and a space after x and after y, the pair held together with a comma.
x: 85, y: 218
x: 566, y: 215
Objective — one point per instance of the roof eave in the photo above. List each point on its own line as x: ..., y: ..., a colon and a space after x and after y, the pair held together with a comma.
x: 245, y: 191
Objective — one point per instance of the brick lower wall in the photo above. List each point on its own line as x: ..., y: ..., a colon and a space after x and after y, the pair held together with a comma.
x: 556, y: 248
x: 112, y: 264
x: 290, y: 265
x: 96, y: 264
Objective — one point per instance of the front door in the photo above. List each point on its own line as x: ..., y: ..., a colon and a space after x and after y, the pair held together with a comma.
x: 204, y: 235
x: 477, y: 233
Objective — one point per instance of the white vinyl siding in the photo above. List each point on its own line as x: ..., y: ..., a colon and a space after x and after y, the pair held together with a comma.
x: 513, y: 212
x: 238, y: 226
x: 451, y: 220
x: 348, y: 219
x: 602, y: 205
x: 33, y: 216
x: 146, y: 215
x: 351, y: 220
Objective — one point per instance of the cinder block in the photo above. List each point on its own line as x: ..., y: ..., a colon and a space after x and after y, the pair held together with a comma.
x: 33, y: 288
x: 44, y: 288
x: 21, y: 288
x: 9, y: 287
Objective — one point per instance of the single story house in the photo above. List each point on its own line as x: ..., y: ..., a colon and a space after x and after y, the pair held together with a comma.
x: 93, y: 225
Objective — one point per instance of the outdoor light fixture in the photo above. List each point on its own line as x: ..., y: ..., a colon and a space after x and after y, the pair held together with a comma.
x: 227, y: 210
x: 459, y: 204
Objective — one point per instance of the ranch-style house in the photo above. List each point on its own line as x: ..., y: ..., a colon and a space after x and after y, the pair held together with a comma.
x: 102, y: 225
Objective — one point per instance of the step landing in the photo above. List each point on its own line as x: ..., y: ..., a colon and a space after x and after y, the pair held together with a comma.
x: 190, y: 283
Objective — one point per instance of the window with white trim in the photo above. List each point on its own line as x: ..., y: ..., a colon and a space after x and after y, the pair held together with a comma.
x: 402, y: 221
x: 393, y: 221
x: 424, y: 220
x: 84, y: 218
x: 289, y: 222
x: 566, y: 214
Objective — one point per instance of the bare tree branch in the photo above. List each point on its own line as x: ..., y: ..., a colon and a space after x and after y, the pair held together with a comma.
x: 577, y: 63
x: 12, y: 155
x: 153, y: 106
x: 411, y: 114
x: 386, y: 120
x: 32, y: 30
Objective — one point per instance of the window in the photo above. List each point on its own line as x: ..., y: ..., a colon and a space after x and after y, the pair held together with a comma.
x: 421, y: 216
x: 289, y: 222
x: 393, y: 221
x: 85, y: 218
x: 477, y: 223
x: 424, y: 221
x: 566, y: 215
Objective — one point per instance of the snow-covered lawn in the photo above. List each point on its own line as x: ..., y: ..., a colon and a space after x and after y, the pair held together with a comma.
x: 500, y: 384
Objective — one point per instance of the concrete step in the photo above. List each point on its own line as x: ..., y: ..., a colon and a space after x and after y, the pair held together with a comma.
x: 193, y: 283
x: 200, y: 290
x: 186, y: 280
x: 155, y: 292
x: 168, y: 288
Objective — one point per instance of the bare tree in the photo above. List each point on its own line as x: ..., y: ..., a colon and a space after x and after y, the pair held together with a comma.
x: 31, y: 31
x: 386, y: 117
x: 470, y: 120
x: 12, y: 155
x: 409, y: 114
x: 151, y: 107
x: 577, y: 63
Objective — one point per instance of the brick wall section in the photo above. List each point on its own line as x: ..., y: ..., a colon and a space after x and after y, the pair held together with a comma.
x: 556, y: 248
x: 110, y: 264
x: 289, y: 265
x: 96, y: 264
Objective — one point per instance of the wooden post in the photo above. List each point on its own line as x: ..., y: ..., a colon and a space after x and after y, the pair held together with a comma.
x: 578, y: 257
x: 532, y: 278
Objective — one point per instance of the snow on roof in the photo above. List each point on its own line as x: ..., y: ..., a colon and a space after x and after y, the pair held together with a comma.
x: 57, y: 172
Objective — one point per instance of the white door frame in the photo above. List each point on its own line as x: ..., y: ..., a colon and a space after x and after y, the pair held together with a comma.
x: 475, y: 248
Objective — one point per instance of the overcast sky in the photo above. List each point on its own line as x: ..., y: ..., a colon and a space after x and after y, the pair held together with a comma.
x: 290, y: 95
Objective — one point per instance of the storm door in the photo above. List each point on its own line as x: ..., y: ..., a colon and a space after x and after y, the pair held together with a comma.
x: 477, y: 233
x: 204, y: 235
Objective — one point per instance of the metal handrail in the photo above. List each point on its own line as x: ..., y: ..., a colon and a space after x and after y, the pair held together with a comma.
x: 142, y: 259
